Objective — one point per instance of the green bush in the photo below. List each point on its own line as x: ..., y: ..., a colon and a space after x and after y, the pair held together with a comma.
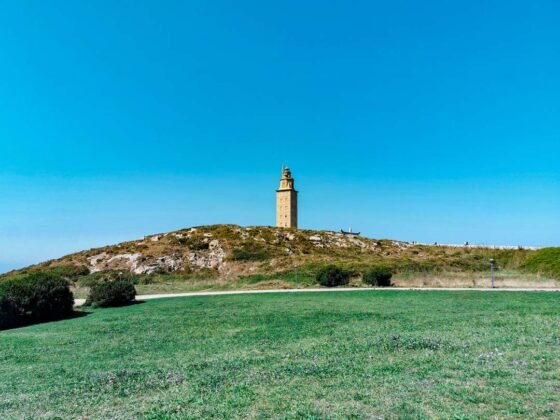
x: 250, y: 252
x: 105, y: 276
x: 112, y: 293
x: 69, y: 272
x: 332, y: 276
x: 378, y: 276
x: 36, y: 297
x: 195, y: 244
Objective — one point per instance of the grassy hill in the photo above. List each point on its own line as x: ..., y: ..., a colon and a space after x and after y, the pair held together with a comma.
x: 230, y: 256
x: 362, y: 354
x: 544, y: 262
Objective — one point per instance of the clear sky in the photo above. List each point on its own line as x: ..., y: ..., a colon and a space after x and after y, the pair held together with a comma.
x: 414, y: 120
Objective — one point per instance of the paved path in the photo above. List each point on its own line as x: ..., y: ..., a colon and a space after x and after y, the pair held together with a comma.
x: 79, y: 302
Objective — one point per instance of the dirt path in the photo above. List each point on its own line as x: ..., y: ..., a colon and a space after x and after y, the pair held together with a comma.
x: 79, y: 302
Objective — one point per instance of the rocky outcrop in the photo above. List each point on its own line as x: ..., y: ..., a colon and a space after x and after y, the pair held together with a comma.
x: 214, y: 258
x: 135, y: 263
x: 164, y: 264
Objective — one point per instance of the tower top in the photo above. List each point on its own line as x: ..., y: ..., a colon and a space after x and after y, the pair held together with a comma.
x: 286, y: 173
x: 286, y: 182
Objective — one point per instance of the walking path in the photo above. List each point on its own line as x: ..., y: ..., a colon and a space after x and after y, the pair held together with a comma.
x: 79, y: 302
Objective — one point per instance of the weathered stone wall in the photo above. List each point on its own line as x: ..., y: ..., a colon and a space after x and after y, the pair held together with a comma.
x: 286, y: 208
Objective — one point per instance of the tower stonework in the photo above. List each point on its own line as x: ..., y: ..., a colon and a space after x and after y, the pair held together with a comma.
x: 286, y: 201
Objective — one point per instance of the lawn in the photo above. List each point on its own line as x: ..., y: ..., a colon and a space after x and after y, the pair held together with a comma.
x: 313, y: 355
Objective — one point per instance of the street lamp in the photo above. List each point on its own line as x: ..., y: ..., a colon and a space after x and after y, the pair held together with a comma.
x: 492, y: 265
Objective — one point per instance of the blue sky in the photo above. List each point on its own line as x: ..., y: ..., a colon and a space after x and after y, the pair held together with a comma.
x: 414, y: 120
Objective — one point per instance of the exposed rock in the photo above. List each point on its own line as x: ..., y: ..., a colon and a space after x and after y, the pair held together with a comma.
x: 127, y: 258
x: 95, y: 262
x: 96, y: 258
x: 355, y: 241
x: 118, y: 262
x: 315, y: 238
x: 213, y: 259
x: 135, y: 263
x: 161, y: 265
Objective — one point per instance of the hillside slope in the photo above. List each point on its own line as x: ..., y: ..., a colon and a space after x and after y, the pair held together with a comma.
x: 230, y: 252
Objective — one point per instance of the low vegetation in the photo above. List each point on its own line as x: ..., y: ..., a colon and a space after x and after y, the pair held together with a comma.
x: 33, y: 298
x: 359, y: 354
x: 119, y: 292
x: 379, y: 275
x: 250, y: 252
x: 333, y: 276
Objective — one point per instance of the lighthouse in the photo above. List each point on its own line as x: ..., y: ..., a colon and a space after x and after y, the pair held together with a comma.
x: 286, y: 201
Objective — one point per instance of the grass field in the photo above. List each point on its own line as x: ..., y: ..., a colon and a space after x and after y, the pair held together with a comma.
x: 361, y: 354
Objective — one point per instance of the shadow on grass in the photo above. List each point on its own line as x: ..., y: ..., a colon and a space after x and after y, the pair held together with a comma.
x: 79, y: 312
x: 136, y: 302
x: 74, y: 314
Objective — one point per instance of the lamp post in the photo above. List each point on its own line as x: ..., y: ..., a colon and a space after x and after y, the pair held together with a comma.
x: 492, y: 265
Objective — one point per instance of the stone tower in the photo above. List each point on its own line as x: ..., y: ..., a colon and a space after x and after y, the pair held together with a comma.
x: 286, y: 201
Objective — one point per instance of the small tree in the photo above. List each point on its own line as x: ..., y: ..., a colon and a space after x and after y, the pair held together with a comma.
x: 379, y: 275
x: 119, y: 292
x: 332, y: 276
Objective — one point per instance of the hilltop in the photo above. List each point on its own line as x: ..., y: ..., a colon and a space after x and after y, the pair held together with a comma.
x: 234, y: 256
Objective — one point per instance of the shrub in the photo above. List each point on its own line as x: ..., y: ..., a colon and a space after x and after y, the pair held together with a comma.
x: 69, y: 272
x: 250, y: 252
x: 332, y: 276
x: 244, y: 255
x: 378, y: 276
x: 112, y: 293
x: 195, y: 244
x: 36, y: 297
x: 105, y: 276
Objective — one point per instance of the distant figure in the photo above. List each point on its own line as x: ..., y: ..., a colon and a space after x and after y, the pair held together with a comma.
x: 466, y: 244
x: 435, y: 243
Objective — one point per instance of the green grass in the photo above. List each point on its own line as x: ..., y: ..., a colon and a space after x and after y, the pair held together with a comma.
x: 309, y: 355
